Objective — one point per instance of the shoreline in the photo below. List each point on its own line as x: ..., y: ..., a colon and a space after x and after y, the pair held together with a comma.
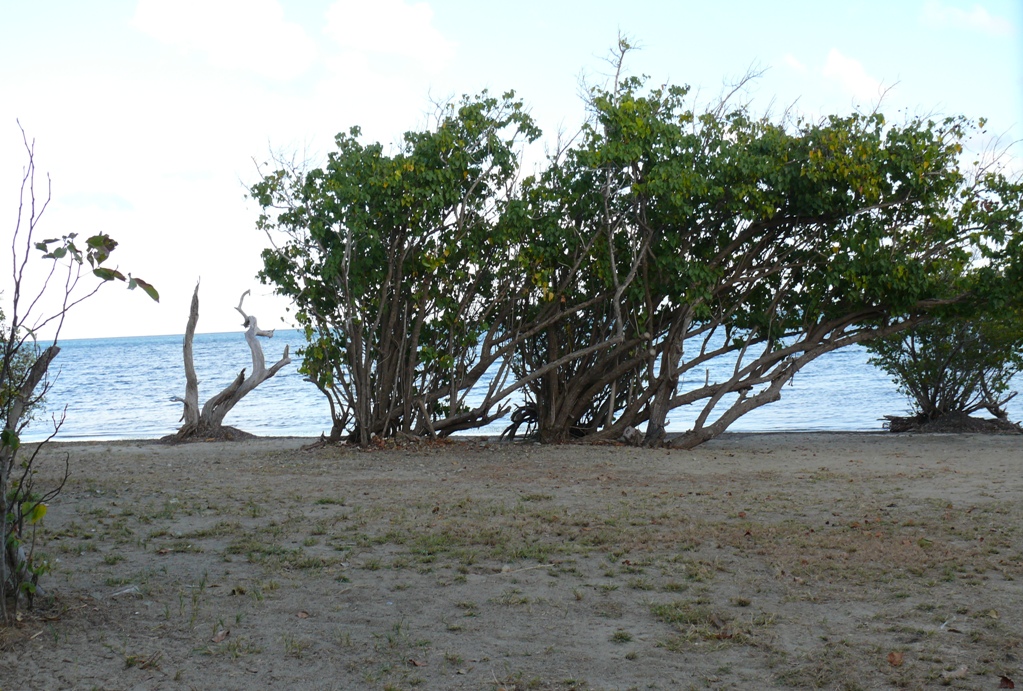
x: 495, y: 439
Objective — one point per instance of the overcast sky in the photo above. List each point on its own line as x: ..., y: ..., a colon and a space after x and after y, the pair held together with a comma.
x: 147, y: 114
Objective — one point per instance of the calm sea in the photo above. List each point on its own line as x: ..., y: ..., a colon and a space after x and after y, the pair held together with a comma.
x: 122, y: 388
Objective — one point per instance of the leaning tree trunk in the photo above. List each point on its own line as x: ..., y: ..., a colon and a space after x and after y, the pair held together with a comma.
x: 14, y: 564
x: 209, y: 422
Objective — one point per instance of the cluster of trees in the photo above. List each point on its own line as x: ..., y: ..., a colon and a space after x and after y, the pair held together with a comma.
x: 659, y: 238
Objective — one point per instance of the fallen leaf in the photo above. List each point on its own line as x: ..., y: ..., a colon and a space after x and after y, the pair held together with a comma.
x: 993, y: 614
x: 220, y: 636
x: 895, y: 658
x: 1005, y: 683
x: 302, y: 614
x: 742, y: 514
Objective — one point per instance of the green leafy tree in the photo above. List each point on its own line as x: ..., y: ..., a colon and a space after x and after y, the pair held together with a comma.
x: 398, y: 264
x: 955, y: 365
x: 962, y: 360
x: 24, y: 366
x: 722, y: 235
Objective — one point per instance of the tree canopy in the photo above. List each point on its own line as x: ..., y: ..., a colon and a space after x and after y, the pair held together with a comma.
x: 663, y: 237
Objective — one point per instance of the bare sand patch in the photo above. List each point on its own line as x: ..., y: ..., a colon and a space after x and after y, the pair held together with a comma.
x: 773, y: 560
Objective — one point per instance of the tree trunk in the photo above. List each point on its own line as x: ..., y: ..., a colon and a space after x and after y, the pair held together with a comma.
x: 191, y: 413
x: 14, y: 563
x: 701, y: 433
x: 209, y: 423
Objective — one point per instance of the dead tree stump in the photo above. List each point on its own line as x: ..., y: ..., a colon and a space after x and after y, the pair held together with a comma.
x: 208, y: 423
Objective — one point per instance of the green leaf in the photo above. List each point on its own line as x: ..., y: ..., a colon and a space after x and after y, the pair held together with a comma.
x: 9, y: 438
x: 108, y: 274
x: 147, y: 287
x: 35, y: 514
x: 102, y: 241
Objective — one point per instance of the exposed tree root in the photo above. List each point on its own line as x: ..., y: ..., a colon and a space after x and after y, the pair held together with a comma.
x: 951, y: 423
x: 222, y: 433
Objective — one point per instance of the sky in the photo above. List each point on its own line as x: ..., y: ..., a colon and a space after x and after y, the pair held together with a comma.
x: 152, y: 117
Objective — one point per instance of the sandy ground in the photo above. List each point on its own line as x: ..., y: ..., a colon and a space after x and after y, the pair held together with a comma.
x: 755, y: 561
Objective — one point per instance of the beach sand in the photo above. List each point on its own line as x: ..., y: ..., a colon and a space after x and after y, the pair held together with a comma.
x: 818, y: 560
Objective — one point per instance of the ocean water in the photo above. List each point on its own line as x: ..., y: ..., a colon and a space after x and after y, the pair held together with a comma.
x: 123, y: 388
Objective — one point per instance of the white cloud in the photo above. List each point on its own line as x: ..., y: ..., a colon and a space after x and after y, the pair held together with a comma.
x: 793, y: 62
x: 249, y: 35
x: 977, y: 17
x: 390, y: 28
x: 852, y: 76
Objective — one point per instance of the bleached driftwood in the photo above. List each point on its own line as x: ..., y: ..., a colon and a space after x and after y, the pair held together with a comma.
x: 209, y: 422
